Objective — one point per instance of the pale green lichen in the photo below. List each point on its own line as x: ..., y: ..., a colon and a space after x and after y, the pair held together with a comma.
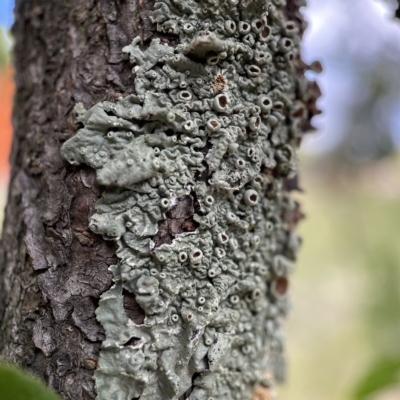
x: 212, y: 126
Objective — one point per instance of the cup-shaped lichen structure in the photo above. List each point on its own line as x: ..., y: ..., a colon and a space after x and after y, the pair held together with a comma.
x: 195, y: 166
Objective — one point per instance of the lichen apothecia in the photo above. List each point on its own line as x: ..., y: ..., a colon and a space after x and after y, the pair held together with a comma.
x: 194, y: 165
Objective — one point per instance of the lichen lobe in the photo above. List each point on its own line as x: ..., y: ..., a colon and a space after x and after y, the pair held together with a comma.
x: 195, y: 164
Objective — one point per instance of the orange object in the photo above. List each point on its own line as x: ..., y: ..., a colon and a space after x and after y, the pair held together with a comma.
x: 6, y: 102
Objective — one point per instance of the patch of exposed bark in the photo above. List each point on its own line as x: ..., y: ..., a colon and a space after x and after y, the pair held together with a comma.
x: 133, y: 310
x: 179, y: 219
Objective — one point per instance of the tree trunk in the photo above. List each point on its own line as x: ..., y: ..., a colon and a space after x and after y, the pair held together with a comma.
x: 53, y: 267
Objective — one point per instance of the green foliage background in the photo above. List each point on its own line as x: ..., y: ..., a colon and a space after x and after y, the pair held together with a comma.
x: 16, y: 385
x: 343, y: 333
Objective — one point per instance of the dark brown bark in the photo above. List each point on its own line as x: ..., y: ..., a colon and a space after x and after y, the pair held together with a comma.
x: 179, y: 219
x: 53, y: 269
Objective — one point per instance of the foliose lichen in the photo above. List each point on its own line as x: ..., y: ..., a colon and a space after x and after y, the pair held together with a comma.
x: 194, y: 165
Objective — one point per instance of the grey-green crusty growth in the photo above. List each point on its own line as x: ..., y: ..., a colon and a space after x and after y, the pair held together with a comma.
x: 194, y: 165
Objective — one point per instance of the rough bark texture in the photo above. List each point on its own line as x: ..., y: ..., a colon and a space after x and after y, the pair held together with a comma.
x: 179, y: 219
x: 52, y: 268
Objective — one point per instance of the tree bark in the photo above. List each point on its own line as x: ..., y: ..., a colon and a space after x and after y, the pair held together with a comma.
x: 53, y: 268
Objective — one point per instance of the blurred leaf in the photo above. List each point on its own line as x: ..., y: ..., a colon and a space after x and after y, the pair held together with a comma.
x: 16, y: 385
x: 383, y: 374
x: 4, y: 48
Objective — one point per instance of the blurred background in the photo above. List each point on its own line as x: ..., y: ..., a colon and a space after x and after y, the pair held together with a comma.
x: 343, y: 334
x: 6, y: 95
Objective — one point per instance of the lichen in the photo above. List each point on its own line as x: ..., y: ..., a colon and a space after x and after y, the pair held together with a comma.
x: 194, y: 165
